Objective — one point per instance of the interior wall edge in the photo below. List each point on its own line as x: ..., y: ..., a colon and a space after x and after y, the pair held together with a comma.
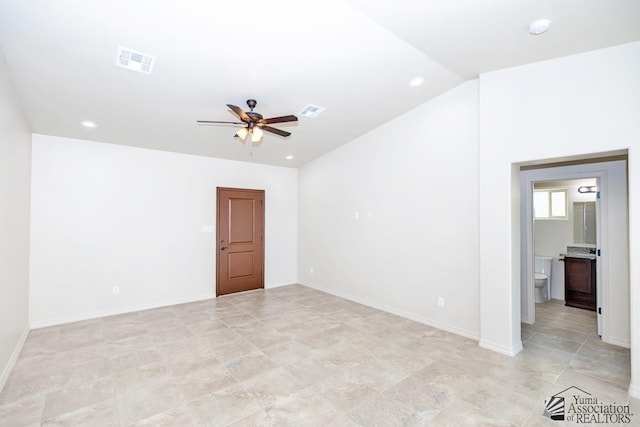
x: 15, y: 205
x: 634, y: 391
x: 405, y: 314
x: 13, y: 359
x: 502, y: 349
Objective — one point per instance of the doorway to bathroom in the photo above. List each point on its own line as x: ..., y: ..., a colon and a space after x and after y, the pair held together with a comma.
x: 566, y: 205
x: 565, y: 241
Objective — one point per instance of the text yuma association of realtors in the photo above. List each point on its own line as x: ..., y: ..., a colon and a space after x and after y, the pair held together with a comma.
x: 589, y: 410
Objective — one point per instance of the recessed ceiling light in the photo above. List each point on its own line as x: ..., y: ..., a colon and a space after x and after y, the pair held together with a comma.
x: 416, y: 81
x: 289, y: 157
x: 88, y: 124
x: 539, y: 26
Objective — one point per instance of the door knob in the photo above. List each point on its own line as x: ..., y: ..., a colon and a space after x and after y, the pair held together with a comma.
x: 224, y: 247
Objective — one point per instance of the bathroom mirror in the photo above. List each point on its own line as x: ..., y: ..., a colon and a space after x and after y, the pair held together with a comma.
x: 584, y: 222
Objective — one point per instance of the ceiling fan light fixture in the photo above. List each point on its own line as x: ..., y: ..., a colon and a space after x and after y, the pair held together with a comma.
x: 256, y: 134
x: 242, y: 134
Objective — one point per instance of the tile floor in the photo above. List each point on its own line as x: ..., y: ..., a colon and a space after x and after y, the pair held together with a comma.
x: 293, y: 355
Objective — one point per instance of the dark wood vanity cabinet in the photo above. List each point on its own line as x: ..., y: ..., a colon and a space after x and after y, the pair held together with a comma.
x: 580, y: 283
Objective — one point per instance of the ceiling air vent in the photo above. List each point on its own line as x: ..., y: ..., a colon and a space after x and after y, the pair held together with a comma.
x: 312, y: 111
x: 134, y: 60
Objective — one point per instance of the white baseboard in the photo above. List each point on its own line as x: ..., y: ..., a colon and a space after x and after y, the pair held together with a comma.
x: 120, y: 310
x: 499, y: 348
x: 397, y: 312
x: 618, y: 342
x: 634, y: 391
x: 13, y: 359
x: 278, y: 285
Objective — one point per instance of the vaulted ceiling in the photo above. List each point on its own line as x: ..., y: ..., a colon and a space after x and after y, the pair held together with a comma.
x: 355, y: 58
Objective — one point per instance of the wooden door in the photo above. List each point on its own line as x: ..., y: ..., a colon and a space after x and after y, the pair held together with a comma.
x: 240, y: 240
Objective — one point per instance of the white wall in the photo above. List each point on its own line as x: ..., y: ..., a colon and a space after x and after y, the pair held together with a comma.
x: 15, y: 164
x: 417, y: 175
x: 555, y: 109
x: 106, y: 215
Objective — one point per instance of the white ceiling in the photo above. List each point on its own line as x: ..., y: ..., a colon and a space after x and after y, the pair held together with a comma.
x: 353, y: 57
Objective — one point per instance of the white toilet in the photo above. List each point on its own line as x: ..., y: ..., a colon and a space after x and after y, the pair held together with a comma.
x: 543, y: 278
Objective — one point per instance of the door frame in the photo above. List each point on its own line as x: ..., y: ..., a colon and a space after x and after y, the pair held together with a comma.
x: 218, y: 243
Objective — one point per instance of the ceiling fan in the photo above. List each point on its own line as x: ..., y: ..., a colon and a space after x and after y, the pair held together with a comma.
x: 253, y: 123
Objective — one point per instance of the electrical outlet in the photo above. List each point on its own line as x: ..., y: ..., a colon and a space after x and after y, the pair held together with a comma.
x: 116, y: 290
x: 369, y: 215
x: 311, y: 271
x: 440, y: 301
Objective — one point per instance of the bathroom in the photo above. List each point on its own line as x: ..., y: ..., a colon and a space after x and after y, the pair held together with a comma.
x: 565, y: 231
x: 565, y: 221
x: 565, y: 216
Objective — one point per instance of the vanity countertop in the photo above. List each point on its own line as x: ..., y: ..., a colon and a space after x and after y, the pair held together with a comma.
x: 578, y: 255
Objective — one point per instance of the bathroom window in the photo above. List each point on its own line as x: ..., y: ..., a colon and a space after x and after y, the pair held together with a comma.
x: 550, y: 204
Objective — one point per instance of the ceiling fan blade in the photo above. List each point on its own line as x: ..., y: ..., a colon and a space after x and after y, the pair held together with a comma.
x: 281, y: 119
x: 219, y: 122
x: 243, y: 116
x: 276, y: 131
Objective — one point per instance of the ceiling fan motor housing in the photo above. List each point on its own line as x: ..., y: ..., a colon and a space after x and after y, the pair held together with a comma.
x: 254, y: 116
